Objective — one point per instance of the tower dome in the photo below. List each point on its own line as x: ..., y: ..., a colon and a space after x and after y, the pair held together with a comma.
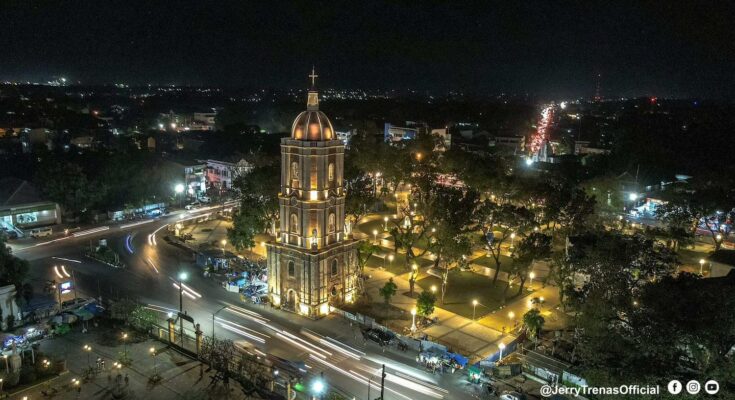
x: 312, y: 124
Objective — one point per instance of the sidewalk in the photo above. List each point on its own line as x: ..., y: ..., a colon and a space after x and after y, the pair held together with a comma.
x: 180, y: 375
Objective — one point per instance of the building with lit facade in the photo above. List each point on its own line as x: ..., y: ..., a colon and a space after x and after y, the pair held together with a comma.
x: 312, y: 263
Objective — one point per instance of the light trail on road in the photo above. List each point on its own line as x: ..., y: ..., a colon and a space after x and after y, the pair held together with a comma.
x: 186, y: 292
x: 136, y: 223
x: 67, y: 259
x: 63, y: 269
x: 150, y: 262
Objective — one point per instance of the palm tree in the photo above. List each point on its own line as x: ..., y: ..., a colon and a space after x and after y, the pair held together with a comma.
x: 534, y: 322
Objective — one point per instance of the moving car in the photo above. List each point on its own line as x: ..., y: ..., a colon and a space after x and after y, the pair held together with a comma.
x: 41, y: 232
x: 193, y: 206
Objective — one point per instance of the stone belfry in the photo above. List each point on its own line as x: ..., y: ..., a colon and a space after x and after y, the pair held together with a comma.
x: 311, y: 264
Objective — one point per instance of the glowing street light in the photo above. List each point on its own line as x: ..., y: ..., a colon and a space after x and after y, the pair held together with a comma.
x: 385, y: 225
x: 501, y: 346
x: 224, y: 243
x: 511, y: 315
x: 531, y: 275
x: 633, y: 196
x: 474, y: 307
x: 413, y: 318
x: 179, y: 188
x: 87, y: 348
x: 701, y: 266
x: 433, y: 288
x: 318, y: 387
x: 512, y: 239
x: 375, y: 235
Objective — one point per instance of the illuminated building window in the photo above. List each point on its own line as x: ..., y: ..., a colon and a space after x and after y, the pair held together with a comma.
x: 294, y: 223
x: 314, y: 195
x: 330, y: 170
x: 333, y: 269
x: 295, y: 171
x: 331, y: 223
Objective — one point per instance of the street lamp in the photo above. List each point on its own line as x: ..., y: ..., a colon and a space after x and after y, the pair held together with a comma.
x: 125, y: 343
x: 413, y: 319
x: 375, y: 236
x: 531, y: 275
x: 152, y: 350
x: 385, y: 225
x: 701, y: 266
x: 213, y: 316
x: 511, y: 315
x: 224, y: 243
x: 182, y: 277
x: 501, y: 346
x: 512, y: 239
x: 318, y: 387
x: 179, y: 189
x: 433, y: 288
x: 88, y: 349
x: 474, y: 307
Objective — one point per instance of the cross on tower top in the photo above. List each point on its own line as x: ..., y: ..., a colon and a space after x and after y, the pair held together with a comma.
x: 313, y: 76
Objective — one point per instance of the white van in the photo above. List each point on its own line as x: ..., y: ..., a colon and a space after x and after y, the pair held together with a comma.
x: 41, y: 232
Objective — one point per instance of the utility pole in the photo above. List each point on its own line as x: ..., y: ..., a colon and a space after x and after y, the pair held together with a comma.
x: 382, y: 383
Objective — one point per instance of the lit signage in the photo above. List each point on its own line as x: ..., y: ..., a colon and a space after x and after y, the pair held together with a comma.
x: 65, y: 287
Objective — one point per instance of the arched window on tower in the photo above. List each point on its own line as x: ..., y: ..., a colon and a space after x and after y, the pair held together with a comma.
x: 334, y: 268
x: 330, y: 173
x: 295, y: 171
x: 331, y: 223
x: 294, y: 223
x: 291, y: 269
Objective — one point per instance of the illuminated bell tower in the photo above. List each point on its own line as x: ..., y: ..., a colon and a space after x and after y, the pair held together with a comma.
x: 311, y: 264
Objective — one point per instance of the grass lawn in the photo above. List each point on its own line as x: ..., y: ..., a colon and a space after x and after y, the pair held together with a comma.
x: 485, y: 261
x: 464, y: 286
x: 688, y: 256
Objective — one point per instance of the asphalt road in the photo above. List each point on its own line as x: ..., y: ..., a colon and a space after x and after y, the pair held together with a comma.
x: 327, y: 346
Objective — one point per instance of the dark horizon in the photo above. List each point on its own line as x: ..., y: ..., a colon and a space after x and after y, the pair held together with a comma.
x: 549, y: 50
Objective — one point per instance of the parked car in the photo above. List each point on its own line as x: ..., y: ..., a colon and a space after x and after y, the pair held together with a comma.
x: 193, y: 206
x: 10, y: 234
x: 79, y: 301
x: 379, y: 336
x: 41, y: 232
x: 205, y: 199
x: 512, y: 396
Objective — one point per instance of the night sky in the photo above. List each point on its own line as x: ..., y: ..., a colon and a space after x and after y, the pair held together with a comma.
x: 663, y: 48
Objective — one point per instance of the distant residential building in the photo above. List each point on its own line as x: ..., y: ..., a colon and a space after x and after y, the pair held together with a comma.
x: 345, y: 135
x: 192, y: 174
x: 221, y: 174
x: 22, y: 207
x: 582, y: 147
x: 445, y: 136
x: 205, y: 117
x: 395, y: 134
x: 512, y: 144
x: 29, y: 138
